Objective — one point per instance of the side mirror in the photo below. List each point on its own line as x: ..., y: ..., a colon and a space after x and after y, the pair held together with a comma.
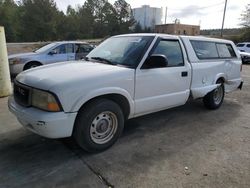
x: 155, y: 61
x: 35, y: 49
x: 52, y: 52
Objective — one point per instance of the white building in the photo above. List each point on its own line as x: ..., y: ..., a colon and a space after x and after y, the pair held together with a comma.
x: 148, y: 16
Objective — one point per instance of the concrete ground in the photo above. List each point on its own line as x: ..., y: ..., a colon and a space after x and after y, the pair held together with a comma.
x: 187, y: 146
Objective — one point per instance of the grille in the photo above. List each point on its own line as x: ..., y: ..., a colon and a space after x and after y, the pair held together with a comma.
x: 22, y: 94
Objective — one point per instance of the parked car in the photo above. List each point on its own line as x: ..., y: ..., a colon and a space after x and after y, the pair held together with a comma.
x: 126, y: 76
x: 244, y: 47
x: 245, y: 56
x: 51, y: 53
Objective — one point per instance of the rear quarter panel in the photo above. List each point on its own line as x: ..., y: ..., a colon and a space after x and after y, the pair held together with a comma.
x: 206, y: 72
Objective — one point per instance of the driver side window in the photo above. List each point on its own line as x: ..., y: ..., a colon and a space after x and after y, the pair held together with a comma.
x: 172, y: 50
x: 61, y: 49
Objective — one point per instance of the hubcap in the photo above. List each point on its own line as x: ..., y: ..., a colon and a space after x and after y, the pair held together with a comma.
x: 33, y: 66
x: 218, y: 95
x: 103, y: 127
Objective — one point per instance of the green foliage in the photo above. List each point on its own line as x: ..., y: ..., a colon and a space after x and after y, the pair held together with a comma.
x: 9, y: 13
x: 246, y: 35
x: 138, y: 29
x: 40, y: 20
x: 245, y: 17
x: 124, y: 16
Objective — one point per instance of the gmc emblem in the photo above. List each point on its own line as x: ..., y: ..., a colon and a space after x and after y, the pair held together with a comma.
x: 21, y: 91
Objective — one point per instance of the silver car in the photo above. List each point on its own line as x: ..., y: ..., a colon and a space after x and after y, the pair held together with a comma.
x: 51, y: 53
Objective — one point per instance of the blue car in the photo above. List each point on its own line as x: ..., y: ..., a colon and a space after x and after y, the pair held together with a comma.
x: 51, y: 53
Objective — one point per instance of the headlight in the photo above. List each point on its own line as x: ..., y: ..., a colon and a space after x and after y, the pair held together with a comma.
x: 44, y: 100
x: 13, y: 61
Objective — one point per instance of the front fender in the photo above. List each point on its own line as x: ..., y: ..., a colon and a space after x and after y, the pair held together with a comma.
x: 103, y: 91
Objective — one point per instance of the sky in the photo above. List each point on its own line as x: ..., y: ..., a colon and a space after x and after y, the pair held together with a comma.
x: 206, y: 13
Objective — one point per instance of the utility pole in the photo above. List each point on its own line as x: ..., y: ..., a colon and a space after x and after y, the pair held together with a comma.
x: 166, y: 13
x: 225, y: 7
x: 5, y: 84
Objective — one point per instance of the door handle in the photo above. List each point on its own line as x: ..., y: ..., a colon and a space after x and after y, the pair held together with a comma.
x: 184, y: 74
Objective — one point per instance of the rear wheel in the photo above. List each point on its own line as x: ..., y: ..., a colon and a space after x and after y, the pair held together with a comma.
x: 98, y: 125
x: 214, y: 99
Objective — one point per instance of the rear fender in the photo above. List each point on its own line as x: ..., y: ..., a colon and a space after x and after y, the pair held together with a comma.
x: 200, y: 92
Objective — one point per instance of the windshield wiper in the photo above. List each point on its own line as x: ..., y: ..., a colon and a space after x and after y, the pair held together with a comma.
x: 103, y: 60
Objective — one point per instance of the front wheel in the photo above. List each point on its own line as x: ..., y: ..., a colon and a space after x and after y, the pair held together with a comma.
x: 214, y: 99
x: 98, y: 125
x: 31, y: 65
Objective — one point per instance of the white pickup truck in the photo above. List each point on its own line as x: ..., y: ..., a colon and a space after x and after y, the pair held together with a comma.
x: 126, y: 76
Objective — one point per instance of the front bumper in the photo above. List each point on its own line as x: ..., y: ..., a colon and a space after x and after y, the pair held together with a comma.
x: 15, y: 69
x: 234, y: 84
x: 47, y: 124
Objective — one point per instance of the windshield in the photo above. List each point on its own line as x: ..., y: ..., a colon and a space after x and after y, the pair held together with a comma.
x: 123, y: 50
x: 240, y: 45
x: 45, y: 48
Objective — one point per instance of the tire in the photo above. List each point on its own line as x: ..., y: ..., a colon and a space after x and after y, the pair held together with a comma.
x: 31, y: 65
x: 98, y: 125
x: 214, y: 99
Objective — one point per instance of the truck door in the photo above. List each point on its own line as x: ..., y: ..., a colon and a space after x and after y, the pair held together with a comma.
x: 161, y: 88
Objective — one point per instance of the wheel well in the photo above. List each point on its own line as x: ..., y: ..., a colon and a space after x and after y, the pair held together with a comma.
x: 222, y: 79
x: 118, y: 99
x: 30, y: 63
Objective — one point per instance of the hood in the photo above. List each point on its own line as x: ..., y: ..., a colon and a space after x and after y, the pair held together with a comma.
x: 63, y: 74
x: 22, y: 55
x: 244, y: 53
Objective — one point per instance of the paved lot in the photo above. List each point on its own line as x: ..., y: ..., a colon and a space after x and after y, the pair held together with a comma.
x: 154, y: 150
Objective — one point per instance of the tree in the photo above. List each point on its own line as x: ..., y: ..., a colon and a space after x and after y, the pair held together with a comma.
x: 9, y: 14
x: 138, y: 28
x: 39, y: 20
x: 70, y: 28
x: 124, y: 16
x: 110, y: 21
x: 123, y: 11
x: 86, y: 21
x: 245, y: 17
